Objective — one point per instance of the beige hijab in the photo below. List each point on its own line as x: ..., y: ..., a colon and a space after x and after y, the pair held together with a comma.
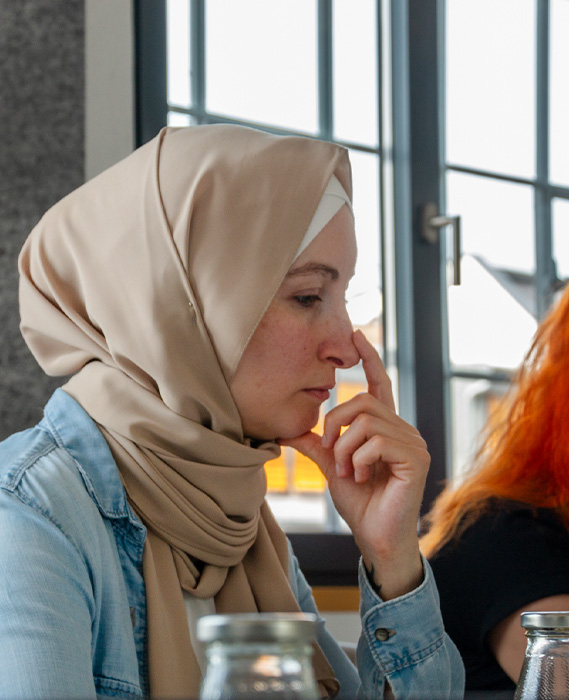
x: 146, y: 284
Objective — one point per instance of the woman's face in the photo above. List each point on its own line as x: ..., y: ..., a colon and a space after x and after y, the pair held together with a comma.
x: 289, y: 365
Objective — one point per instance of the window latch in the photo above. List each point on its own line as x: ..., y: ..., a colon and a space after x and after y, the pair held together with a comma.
x: 431, y: 223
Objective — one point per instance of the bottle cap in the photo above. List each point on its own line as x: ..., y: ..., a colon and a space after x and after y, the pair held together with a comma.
x: 258, y: 627
x: 545, y: 620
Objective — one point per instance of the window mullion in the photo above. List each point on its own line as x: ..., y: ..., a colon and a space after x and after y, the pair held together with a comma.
x: 151, y: 68
x: 402, y: 208
x: 325, y: 80
x: 545, y: 274
x: 421, y: 70
x: 197, y: 57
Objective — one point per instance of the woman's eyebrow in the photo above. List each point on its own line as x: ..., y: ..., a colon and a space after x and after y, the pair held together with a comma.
x: 311, y: 268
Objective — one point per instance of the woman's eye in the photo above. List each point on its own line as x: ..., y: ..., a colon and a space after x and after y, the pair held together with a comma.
x: 307, y: 300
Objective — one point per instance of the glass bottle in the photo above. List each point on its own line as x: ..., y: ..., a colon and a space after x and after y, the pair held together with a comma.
x: 258, y: 655
x: 545, y: 671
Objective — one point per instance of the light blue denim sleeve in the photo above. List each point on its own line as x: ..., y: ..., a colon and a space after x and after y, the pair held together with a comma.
x: 65, y: 626
x: 45, y: 609
x: 403, y: 642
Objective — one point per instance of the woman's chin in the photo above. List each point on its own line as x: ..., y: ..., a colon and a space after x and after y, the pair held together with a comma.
x: 287, y: 429
x: 296, y: 430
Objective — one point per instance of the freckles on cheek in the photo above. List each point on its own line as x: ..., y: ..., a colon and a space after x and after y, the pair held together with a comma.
x: 294, y: 354
x: 284, y: 343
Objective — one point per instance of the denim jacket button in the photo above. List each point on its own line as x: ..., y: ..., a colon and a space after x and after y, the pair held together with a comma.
x: 382, y: 634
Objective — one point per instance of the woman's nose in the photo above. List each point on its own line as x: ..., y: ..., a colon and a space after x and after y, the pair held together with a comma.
x: 338, y: 346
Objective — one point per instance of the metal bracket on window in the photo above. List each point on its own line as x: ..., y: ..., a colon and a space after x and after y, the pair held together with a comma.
x: 431, y: 223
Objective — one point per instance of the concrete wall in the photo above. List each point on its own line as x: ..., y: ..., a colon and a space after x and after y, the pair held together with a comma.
x: 66, y: 112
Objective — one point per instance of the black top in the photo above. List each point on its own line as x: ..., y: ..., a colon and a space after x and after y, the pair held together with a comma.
x: 510, y: 557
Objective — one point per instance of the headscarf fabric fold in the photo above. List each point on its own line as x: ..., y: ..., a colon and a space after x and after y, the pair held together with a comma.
x: 145, y: 285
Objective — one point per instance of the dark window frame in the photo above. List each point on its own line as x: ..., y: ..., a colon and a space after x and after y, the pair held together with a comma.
x: 413, y: 159
x: 415, y: 32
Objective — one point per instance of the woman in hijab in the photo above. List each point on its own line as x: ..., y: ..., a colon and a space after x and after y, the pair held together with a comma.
x: 195, y: 294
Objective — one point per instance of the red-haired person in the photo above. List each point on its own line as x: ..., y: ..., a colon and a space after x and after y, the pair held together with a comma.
x: 498, y: 541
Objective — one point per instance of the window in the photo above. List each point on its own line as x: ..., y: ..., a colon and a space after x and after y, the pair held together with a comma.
x: 318, y: 77
x: 472, y: 118
x: 505, y: 173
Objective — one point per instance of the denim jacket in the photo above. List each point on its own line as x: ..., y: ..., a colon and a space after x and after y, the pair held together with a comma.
x: 72, y: 597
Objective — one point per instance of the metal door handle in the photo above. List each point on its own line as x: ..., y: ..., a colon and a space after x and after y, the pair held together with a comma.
x: 432, y: 222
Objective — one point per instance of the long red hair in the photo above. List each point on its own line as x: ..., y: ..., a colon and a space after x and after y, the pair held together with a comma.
x: 524, y: 454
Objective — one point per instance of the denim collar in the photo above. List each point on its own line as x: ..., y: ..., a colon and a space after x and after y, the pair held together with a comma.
x: 75, y: 431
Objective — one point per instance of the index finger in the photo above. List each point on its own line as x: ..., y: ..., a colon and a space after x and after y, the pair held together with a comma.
x: 379, y: 384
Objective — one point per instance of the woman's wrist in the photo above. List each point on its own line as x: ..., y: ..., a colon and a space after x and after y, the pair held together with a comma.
x: 395, y: 577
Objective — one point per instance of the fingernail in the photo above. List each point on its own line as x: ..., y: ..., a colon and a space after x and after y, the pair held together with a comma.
x: 325, y: 441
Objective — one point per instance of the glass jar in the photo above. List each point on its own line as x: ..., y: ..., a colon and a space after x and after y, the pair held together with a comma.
x: 545, y: 671
x: 258, y: 655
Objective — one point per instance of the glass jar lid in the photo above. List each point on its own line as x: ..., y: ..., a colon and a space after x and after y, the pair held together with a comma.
x: 258, y: 627
x: 545, y: 620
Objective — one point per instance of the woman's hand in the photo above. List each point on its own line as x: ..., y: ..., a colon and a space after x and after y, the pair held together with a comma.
x: 376, y: 471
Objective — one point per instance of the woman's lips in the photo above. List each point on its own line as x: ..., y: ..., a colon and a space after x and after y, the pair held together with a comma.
x: 319, y: 393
